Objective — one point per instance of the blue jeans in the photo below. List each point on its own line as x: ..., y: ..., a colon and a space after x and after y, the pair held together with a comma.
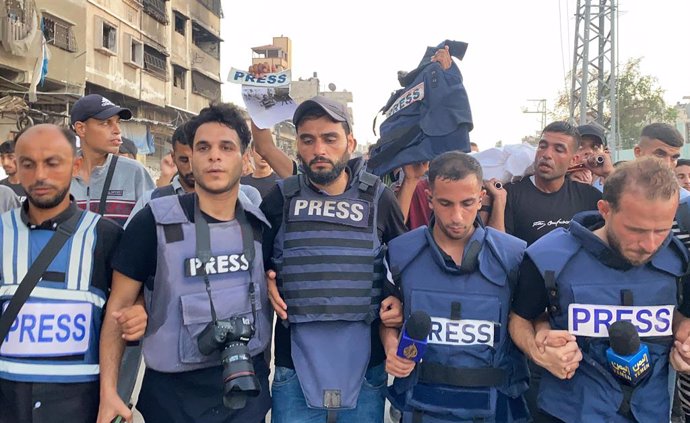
x: 289, y: 405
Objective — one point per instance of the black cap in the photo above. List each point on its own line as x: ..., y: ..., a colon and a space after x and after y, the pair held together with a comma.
x: 128, y: 147
x: 592, y: 131
x: 337, y: 111
x: 98, y: 107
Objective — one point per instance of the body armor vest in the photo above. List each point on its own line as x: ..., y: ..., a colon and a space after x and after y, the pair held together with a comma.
x: 330, y: 269
x: 470, y: 365
x: 55, y: 336
x: 178, y: 306
x: 590, y: 287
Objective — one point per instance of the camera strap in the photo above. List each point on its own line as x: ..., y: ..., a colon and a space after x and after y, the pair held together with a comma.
x: 203, y: 249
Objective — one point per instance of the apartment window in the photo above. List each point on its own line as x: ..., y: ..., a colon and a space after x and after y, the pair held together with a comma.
x: 205, y: 40
x: 205, y: 86
x: 180, y: 23
x: 179, y: 77
x: 106, y: 36
x: 156, y: 9
x: 136, y: 52
x: 59, y: 33
x: 213, y: 6
x: 155, y: 62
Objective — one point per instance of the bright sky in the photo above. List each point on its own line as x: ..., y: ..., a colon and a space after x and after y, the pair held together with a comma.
x: 518, y: 50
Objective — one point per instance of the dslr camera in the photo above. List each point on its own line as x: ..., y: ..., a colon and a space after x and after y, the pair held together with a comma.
x: 230, y: 337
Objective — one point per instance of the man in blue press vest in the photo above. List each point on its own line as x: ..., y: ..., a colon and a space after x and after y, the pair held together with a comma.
x: 461, y: 274
x: 198, y: 258
x: 618, y: 264
x: 49, y: 358
x: 328, y: 228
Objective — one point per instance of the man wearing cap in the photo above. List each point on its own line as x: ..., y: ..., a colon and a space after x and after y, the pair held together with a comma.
x: 105, y: 183
x: 326, y: 246
x: 593, y: 155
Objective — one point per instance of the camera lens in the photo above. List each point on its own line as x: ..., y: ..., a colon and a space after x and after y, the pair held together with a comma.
x: 239, y: 378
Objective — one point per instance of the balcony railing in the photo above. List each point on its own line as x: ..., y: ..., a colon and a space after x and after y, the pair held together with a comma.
x: 59, y: 34
x: 213, y: 6
x: 156, y: 9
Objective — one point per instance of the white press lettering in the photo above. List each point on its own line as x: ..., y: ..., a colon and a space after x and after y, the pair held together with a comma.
x: 300, y: 205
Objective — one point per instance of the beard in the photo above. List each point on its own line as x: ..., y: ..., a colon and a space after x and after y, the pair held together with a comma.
x: 46, y: 203
x: 188, y: 179
x: 615, y: 244
x: 454, y: 236
x: 325, y: 177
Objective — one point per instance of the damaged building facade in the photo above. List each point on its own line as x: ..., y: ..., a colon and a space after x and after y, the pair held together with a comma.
x: 160, y: 58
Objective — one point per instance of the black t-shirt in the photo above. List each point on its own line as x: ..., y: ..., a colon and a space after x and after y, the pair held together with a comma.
x: 529, y: 299
x: 264, y: 185
x: 17, y: 188
x: 389, y: 225
x: 137, y: 254
x: 531, y: 213
x: 136, y: 257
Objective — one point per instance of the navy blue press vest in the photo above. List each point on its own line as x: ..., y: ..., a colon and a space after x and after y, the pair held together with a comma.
x: 330, y: 269
x: 429, y: 116
x: 55, y: 336
x: 589, y: 287
x: 470, y: 363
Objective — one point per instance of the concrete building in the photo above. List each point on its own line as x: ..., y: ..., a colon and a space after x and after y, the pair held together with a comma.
x: 159, y: 58
x: 279, y: 54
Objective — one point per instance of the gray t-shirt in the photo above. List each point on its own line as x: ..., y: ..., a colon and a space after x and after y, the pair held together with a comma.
x: 8, y: 199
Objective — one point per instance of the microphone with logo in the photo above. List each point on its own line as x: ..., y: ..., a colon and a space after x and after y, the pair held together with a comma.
x: 413, y: 338
x: 628, y: 360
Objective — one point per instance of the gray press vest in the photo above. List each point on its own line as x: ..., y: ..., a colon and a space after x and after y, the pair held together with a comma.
x: 330, y: 268
x: 178, y: 306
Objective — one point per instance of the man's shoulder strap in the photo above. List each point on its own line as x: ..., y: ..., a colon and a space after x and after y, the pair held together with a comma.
x: 64, y: 231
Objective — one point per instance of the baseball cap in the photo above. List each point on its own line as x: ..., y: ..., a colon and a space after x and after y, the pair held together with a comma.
x: 592, y: 131
x: 337, y: 111
x: 98, y: 107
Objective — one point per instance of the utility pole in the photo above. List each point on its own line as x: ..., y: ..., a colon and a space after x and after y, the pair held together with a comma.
x: 595, y: 64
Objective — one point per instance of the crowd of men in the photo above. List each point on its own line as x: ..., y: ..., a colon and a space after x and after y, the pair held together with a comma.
x: 525, y: 285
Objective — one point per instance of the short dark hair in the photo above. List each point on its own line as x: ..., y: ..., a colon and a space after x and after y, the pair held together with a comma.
x: 683, y: 162
x: 453, y: 166
x: 226, y: 114
x: 645, y: 175
x: 7, y: 147
x: 316, y: 113
x: 180, y: 135
x: 664, y: 133
x: 562, y: 127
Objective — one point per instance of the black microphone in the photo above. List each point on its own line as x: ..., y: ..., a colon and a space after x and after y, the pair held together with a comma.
x: 628, y: 360
x: 413, y: 338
